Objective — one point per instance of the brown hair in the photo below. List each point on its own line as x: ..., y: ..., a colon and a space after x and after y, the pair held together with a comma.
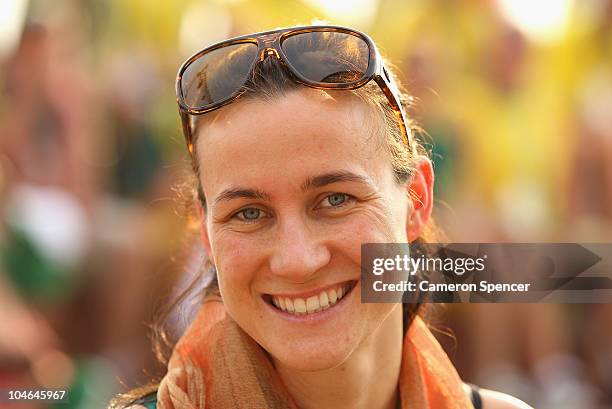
x: 270, y: 81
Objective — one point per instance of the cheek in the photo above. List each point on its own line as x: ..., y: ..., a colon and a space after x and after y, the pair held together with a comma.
x: 371, y: 226
x: 237, y: 261
x: 373, y: 315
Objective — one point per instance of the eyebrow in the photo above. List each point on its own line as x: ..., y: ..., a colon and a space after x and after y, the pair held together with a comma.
x: 310, y: 183
x: 241, y: 193
x: 333, y: 177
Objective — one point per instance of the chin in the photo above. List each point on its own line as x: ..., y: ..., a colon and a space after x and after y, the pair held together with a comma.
x: 316, y: 355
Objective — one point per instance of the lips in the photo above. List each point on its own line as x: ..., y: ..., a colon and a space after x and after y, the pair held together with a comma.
x: 312, y: 304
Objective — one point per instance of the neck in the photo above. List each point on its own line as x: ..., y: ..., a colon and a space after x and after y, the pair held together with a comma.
x: 368, y: 378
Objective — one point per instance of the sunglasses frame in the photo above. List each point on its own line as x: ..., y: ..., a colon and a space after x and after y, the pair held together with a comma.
x: 269, y: 44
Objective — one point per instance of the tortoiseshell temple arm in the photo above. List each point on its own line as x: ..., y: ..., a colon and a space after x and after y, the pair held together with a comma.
x: 387, y: 85
x: 185, y: 123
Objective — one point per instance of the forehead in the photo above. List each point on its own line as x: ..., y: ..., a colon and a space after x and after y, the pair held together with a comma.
x: 303, y: 132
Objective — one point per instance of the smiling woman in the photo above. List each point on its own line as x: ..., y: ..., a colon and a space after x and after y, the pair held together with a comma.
x: 302, y: 153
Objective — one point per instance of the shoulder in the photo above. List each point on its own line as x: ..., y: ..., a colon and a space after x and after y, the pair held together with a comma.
x: 494, y: 400
x: 497, y: 400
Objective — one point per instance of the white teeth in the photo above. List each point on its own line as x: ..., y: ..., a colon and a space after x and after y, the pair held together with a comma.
x: 333, y: 296
x: 289, y: 305
x: 299, y: 305
x: 313, y: 304
x: 324, y: 300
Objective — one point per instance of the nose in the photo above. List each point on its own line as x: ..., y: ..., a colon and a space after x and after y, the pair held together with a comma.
x: 298, y: 253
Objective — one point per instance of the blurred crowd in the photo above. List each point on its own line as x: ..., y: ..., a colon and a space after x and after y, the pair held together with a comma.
x: 515, y: 100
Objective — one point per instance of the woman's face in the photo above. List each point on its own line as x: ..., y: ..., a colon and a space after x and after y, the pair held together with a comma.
x: 293, y: 188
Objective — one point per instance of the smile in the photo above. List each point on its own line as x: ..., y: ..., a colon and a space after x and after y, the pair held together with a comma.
x: 315, y: 303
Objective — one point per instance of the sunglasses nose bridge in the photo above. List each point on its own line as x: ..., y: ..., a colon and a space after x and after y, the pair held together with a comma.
x: 269, y: 52
x: 268, y: 44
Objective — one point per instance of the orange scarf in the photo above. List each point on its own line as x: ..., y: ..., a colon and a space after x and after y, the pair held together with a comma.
x: 216, y: 365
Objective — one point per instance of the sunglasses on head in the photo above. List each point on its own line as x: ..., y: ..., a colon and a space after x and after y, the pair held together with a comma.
x: 322, y: 57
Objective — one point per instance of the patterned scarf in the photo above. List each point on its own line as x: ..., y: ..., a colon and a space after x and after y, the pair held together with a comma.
x: 216, y: 365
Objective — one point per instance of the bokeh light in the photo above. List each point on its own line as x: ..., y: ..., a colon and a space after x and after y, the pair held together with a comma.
x: 542, y: 21
x: 12, y: 15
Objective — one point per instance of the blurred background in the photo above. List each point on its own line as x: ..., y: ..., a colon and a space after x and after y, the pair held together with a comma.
x: 516, y: 98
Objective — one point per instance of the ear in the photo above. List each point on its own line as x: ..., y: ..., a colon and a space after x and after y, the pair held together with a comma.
x: 420, y: 192
x: 203, y: 231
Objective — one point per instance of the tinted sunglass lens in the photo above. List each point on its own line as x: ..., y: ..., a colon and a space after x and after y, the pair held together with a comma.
x: 327, y: 56
x: 217, y: 75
